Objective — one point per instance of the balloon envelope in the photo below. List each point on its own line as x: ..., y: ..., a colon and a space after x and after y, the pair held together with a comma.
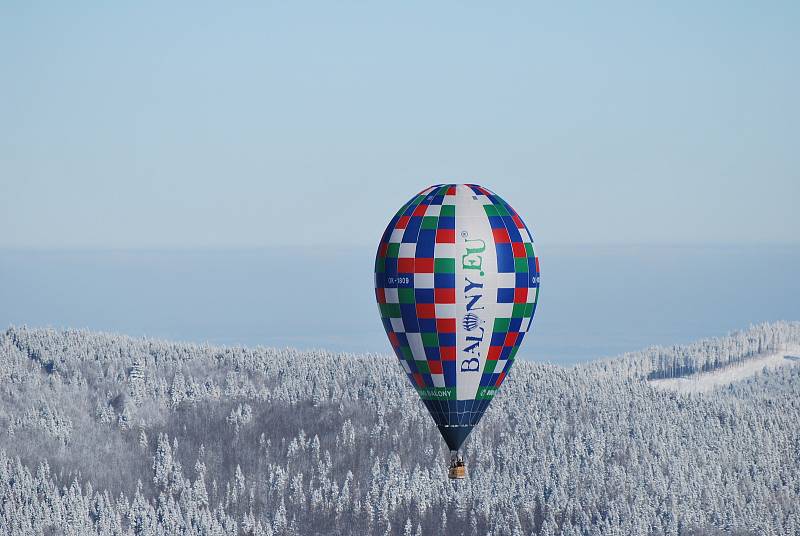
x: 457, y: 281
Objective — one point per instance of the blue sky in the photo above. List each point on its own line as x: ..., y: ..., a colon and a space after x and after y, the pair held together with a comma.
x: 160, y: 125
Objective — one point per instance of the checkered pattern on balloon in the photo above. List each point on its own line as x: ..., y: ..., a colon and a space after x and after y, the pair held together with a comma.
x: 456, y: 346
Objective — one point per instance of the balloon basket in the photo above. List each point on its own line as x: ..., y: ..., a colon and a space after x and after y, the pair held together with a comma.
x: 457, y: 472
x: 458, y: 469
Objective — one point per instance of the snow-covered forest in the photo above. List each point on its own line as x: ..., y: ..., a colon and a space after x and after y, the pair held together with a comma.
x: 106, y: 434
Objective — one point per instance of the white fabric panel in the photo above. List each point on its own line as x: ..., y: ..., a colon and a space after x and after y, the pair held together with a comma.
x: 391, y: 295
x: 397, y: 325
x: 476, y: 289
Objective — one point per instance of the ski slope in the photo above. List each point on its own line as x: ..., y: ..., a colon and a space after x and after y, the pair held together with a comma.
x: 708, y: 381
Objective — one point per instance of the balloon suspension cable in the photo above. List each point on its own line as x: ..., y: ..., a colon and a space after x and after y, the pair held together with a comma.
x: 458, y: 469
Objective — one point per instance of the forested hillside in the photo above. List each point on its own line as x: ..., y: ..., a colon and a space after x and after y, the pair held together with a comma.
x: 106, y: 434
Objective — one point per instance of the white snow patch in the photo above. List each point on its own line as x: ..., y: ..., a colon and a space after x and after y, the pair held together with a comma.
x: 708, y: 381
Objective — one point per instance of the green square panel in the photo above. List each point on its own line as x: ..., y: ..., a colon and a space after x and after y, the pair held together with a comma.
x: 447, y: 210
x: 528, y: 308
x: 430, y: 222
x: 521, y: 264
x: 431, y: 340
x: 407, y: 354
x: 393, y: 250
x: 501, y: 325
x: 444, y: 266
x: 519, y: 310
x: 529, y: 249
x: 491, y: 210
x: 390, y: 310
x: 405, y: 295
x: 488, y: 368
x: 422, y: 366
x: 402, y: 209
x: 380, y: 264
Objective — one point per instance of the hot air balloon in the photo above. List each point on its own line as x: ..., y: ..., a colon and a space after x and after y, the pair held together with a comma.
x: 457, y: 281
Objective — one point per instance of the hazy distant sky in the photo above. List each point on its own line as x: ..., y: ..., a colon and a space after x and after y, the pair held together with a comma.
x: 160, y: 124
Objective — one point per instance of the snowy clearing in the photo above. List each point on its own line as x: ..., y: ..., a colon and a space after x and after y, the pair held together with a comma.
x: 708, y: 381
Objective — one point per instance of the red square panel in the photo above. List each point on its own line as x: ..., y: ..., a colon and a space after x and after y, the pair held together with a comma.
x: 519, y: 249
x: 500, y: 379
x: 511, y: 338
x: 426, y: 310
x: 393, y: 339
x: 435, y: 366
x: 501, y: 236
x: 520, y: 294
x: 402, y: 223
x: 451, y: 191
x: 420, y: 210
x: 445, y: 236
x: 446, y: 325
x: 444, y: 295
x: 518, y: 221
x: 382, y: 249
x: 380, y: 294
x: 419, y: 380
x: 405, y: 265
x: 423, y: 266
x: 494, y: 353
x: 448, y: 353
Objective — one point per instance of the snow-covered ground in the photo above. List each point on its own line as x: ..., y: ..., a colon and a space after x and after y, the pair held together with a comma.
x: 708, y: 381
